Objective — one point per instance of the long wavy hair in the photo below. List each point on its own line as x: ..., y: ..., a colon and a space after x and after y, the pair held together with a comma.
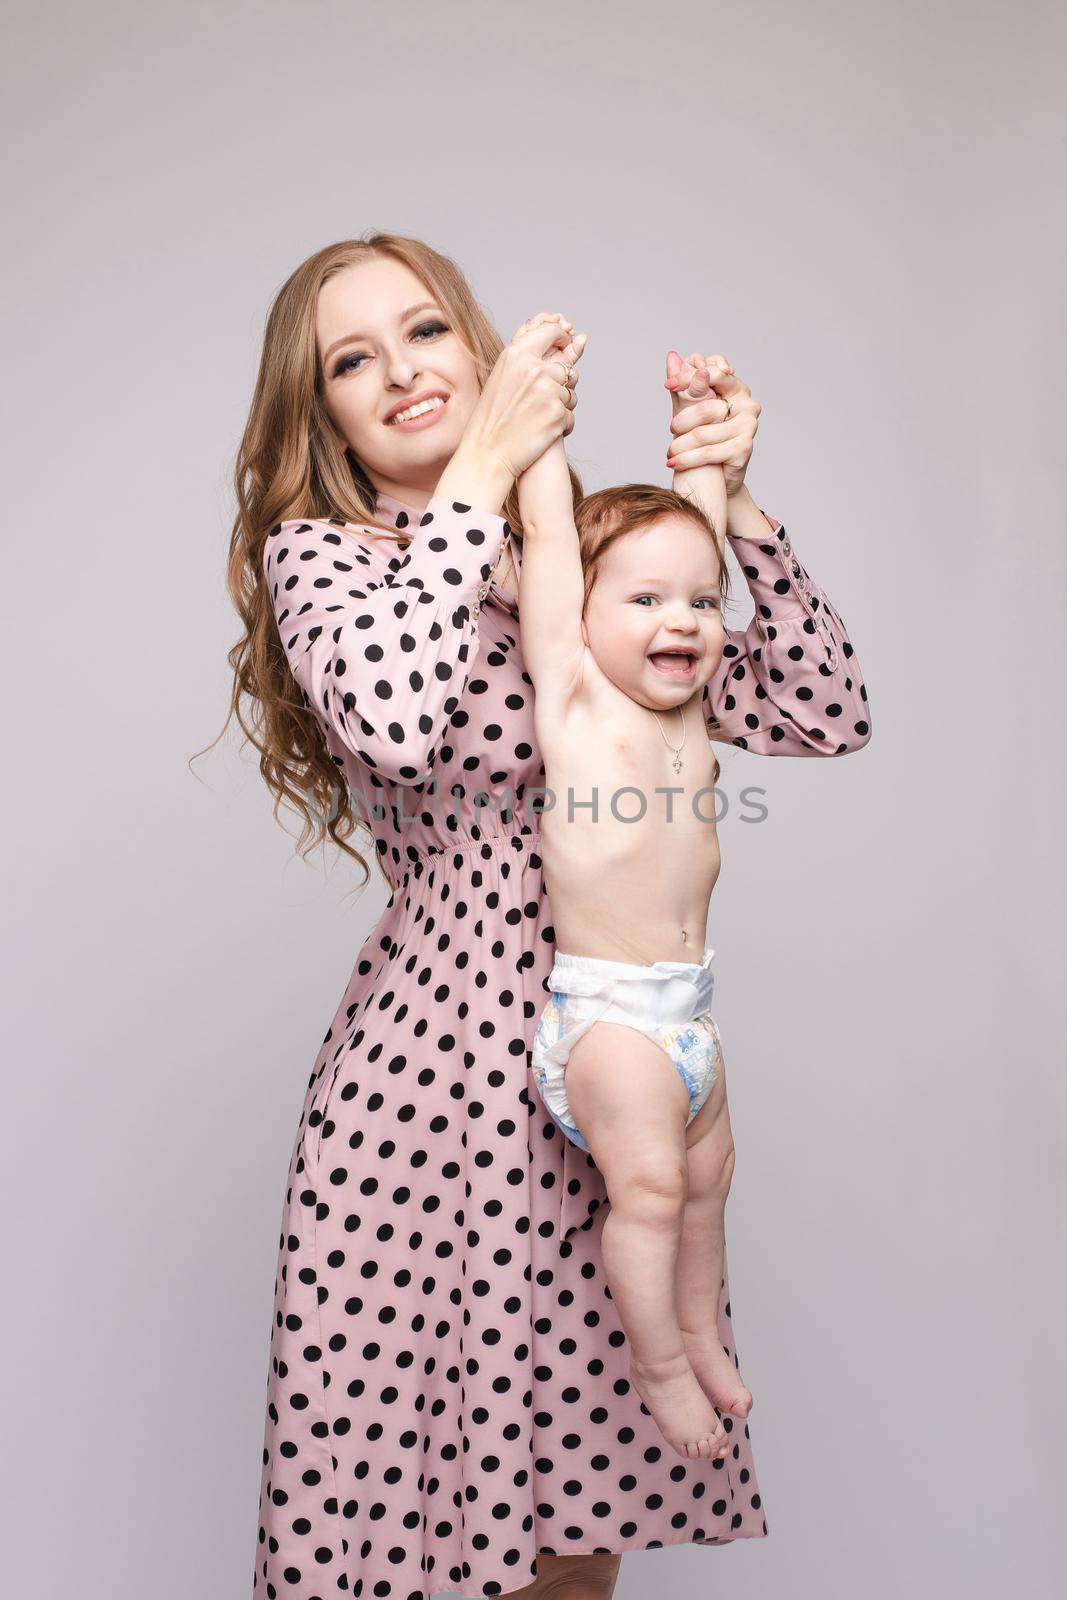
x: 293, y: 462
x: 609, y: 514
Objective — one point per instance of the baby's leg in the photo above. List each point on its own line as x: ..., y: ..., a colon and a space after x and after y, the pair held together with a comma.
x: 710, y: 1151
x: 631, y: 1106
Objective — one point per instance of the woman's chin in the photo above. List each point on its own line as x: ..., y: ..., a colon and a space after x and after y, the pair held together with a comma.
x: 434, y: 448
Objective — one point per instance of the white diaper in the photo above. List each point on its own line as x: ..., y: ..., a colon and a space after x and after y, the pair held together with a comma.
x: 668, y: 1001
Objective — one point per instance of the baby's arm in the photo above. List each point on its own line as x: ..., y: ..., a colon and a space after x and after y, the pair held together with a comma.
x: 551, y: 581
x: 706, y: 489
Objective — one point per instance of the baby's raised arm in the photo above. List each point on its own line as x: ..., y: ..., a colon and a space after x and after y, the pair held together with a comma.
x: 551, y: 581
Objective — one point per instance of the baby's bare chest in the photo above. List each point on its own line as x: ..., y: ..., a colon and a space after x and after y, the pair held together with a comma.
x: 630, y: 775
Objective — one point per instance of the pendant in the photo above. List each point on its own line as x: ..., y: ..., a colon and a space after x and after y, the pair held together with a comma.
x: 677, y: 763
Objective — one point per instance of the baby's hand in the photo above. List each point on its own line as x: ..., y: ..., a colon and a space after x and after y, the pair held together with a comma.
x: 688, y: 381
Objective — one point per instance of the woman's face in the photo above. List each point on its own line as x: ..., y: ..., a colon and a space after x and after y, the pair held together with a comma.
x: 657, y: 589
x: 383, y: 344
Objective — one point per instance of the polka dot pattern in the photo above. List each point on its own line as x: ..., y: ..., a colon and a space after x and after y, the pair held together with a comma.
x: 788, y: 684
x: 447, y: 1389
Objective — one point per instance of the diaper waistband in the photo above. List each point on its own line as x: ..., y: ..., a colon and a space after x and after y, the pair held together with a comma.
x: 675, y: 990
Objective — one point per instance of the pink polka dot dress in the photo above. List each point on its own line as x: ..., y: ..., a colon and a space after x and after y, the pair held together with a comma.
x: 447, y: 1388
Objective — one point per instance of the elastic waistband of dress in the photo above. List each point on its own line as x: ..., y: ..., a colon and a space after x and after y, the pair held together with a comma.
x: 483, y: 849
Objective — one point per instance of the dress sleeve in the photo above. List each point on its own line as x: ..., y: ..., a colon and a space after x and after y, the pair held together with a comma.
x: 789, y: 684
x: 382, y: 656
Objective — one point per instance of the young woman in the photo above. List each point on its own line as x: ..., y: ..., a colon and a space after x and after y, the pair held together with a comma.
x: 448, y: 1406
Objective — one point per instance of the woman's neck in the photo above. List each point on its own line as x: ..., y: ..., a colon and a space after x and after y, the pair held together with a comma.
x: 416, y: 499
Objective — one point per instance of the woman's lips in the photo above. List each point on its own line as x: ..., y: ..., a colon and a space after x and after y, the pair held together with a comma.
x: 673, y: 665
x: 425, y: 420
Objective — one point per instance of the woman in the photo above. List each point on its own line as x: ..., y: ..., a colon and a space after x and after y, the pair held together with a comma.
x: 448, y: 1407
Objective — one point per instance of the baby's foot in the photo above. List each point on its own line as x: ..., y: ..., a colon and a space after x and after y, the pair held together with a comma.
x: 716, y: 1373
x: 680, y: 1408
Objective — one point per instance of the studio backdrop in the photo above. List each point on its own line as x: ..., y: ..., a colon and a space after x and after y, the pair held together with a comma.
x: 861, y: 208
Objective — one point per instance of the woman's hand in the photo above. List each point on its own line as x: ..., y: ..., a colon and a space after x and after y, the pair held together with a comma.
x: 704, y: 434
x: 690, y: 381
x: 526, y: 404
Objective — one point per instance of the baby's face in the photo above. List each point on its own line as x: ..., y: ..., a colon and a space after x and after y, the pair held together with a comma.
x: 657, y: 590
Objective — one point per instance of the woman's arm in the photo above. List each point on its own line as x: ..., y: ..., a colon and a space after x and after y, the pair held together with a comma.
x: 382, y: 646
x: 789, y: 684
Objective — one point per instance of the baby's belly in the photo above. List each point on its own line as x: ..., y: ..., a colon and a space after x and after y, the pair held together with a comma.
x: 636, y: 892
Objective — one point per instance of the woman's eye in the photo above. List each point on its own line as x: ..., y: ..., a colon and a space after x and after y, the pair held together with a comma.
x: 348, y: 363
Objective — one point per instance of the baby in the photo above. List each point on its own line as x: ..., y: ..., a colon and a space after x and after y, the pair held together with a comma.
x: 621, y: 630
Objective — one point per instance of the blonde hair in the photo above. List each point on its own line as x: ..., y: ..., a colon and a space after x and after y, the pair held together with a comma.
x: 292, y: 462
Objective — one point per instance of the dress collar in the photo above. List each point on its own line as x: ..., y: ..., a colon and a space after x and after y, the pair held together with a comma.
x: 389, y: 506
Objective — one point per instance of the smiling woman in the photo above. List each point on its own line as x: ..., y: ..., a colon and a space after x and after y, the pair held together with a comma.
x: 449, y: 1403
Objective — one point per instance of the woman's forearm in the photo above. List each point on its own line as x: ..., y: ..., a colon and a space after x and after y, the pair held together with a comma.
x: 744, y: 518
x: 477, y: 478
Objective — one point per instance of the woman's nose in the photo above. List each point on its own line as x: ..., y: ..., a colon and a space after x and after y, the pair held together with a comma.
x: 401, y: 371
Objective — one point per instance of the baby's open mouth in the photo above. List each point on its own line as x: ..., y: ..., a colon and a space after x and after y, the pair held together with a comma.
x: 673, y: 663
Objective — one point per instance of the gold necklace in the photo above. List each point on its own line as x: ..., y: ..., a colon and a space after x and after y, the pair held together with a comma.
x: 676, y: 753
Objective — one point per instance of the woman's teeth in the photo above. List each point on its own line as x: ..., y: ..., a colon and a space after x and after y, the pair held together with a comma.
x: 417, y: 411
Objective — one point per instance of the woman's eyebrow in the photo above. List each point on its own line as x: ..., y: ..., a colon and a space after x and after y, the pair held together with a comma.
x: 350, y: 337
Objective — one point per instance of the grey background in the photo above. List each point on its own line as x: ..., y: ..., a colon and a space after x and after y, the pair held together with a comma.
x: 859, y: 206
